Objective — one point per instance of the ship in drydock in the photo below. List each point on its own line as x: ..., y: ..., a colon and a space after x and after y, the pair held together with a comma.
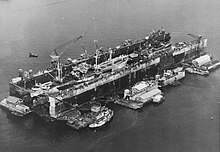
x: 64, y: 88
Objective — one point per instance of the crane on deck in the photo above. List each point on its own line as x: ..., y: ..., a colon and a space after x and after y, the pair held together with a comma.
x: 55, y: 58
x: 197, y: 37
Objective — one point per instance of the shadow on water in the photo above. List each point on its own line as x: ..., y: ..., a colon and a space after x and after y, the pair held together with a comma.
x: 58, y: 130
x: 38, y: 127
x: 33, y: 125
x: 196, y: 81
x: 158, y: 104
x: 15, y: 119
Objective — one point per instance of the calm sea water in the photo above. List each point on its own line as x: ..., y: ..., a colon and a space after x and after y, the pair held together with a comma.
x: 183, y: 123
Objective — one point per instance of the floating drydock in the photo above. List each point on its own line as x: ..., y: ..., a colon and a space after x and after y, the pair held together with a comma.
x: 63, y: 86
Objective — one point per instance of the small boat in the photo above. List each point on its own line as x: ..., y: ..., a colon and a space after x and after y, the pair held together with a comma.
x: 158, y: 99
x: 104, y: 116
x: 33, y: 55
x: 15, y: 106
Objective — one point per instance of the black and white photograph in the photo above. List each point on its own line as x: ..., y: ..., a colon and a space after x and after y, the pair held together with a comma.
x: 109, y: 75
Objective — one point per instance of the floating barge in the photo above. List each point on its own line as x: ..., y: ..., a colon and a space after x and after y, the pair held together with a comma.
x: 15, y: 106
x: 141, y: 93
x: 129, y: 103
x: 198, y: 71
x: 203, y: 65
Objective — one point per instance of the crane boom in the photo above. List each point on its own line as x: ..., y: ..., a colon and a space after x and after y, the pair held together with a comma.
x: 198, y: 37
x: 96, y: 44
x: 83, y: 47
x: 64, y: 45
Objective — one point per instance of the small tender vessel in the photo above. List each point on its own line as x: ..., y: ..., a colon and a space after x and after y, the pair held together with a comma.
x: 15, y: 106
x: 104, y: 116
x: 158, y: 99
x: 33, y: 55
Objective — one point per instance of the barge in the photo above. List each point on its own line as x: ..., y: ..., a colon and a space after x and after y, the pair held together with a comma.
x: 141, y: 93
x: 15, y: 106
x: 203, y: 65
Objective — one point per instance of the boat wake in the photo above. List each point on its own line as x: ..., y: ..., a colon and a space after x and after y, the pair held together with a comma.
x: 44, y: 6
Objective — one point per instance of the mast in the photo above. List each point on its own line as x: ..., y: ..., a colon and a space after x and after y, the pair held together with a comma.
x: 96, y: 54
x: 55, y: 58
x: 198, y: 39
x: 60, y: 72
x: 110, y: 55
x: 96, y: 59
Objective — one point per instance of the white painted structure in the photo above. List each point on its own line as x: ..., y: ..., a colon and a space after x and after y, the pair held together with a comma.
x: 148, y: 96
x: 202, y: 60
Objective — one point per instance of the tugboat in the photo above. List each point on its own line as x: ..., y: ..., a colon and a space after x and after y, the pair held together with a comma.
x: 15, y: 106
x: 104, y: 116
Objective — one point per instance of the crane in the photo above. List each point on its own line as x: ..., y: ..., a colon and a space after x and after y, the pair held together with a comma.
x: 97, y: 53
x: 55, y: 59
x: 99, y: 50
x: 198, y: 37
x: 84, y: 54
x: 56, y: 56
